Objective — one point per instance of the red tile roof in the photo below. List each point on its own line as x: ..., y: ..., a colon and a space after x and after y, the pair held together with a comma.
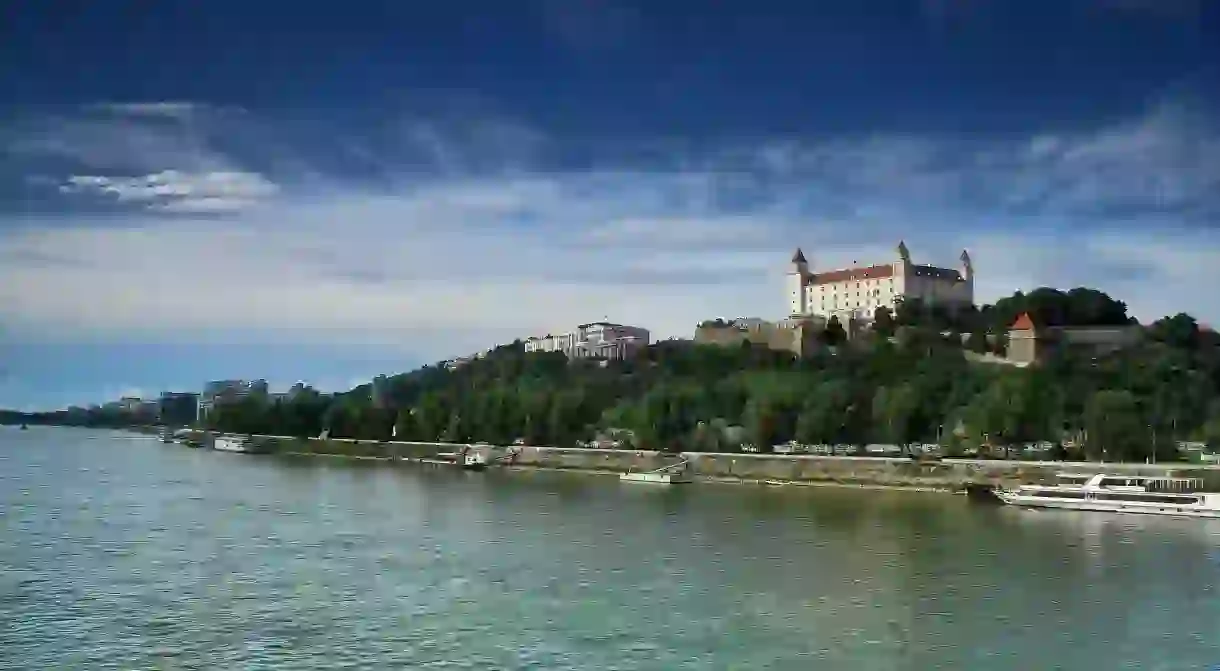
x: 849, y: 274
x: 1023, y: 323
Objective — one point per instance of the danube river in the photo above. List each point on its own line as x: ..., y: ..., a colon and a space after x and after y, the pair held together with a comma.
x: 119, y: 552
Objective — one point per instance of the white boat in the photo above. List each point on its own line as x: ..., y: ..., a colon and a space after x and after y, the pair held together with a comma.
x: 231, y: 444
x: 1101, y: 492
x: 474, y: 460
x: 674, y: 474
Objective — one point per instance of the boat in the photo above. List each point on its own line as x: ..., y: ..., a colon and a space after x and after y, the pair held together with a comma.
x: 25, y: 427
x: 231, y: 444
x: 1102, y: 492
x: 673, y: 474
x: 474, y: 460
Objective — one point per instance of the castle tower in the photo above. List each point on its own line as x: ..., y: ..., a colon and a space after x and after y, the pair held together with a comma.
x: 967, y: 271
x: 798, y: 277
x: 902, y: 270
x: 1024, y: 340
x: 967, y: 268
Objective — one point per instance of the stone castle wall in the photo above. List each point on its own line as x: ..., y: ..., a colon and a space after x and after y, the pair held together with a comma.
x: 798, y: 338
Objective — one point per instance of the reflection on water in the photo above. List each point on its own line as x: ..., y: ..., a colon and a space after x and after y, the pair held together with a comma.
x: 122, y: 553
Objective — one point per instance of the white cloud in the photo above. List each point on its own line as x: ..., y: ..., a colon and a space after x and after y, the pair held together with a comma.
x: 172, y: 109
x: 174, y: 191
x: 452, y: 264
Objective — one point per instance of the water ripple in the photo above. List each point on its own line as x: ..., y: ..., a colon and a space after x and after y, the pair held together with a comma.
x: 128, y: 554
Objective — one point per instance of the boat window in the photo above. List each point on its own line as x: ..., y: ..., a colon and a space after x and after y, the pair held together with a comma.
x: 1059, y: 494
x: 1148, y: 498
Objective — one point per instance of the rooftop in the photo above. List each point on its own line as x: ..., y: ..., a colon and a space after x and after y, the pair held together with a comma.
x: 1023, y: 323
x: 850, y: 274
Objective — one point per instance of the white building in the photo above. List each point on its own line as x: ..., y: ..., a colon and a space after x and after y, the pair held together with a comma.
x: 598, y: 340
x: 857, y: 292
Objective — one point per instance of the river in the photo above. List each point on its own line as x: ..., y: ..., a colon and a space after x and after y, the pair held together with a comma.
x: 120, y: 552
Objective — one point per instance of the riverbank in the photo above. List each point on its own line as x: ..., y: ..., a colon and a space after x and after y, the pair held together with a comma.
x: 951, y: 475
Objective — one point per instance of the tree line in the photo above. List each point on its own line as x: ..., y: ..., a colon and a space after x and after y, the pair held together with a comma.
x: 909, y: 380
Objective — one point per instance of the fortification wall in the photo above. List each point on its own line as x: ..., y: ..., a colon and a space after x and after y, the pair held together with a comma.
x: 800, y: 339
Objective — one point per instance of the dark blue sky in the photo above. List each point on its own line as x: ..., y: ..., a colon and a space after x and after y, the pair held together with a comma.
x: 607, y: 67
x: 322, y: 145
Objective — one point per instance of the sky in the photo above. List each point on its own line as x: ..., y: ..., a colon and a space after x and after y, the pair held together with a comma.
x: 325, y: 192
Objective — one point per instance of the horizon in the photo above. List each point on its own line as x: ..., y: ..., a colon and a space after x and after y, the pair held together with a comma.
x: 326, y: 195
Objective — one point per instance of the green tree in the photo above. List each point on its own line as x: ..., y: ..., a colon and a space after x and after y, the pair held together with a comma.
x: 1115, y: 427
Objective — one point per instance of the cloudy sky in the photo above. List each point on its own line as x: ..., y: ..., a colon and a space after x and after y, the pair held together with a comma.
x: 191, y: 191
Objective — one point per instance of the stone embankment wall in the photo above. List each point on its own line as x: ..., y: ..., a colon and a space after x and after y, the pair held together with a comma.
x: 876, y: 471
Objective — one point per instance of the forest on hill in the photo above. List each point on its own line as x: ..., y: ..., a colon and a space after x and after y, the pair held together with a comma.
x: 908, y: 381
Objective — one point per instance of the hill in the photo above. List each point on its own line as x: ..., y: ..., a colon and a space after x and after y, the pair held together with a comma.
x: 909, y: 380
x: 917, y: 387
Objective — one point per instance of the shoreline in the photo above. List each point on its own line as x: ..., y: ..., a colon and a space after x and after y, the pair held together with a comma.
x: 947, y: 476
x: 700, y: 479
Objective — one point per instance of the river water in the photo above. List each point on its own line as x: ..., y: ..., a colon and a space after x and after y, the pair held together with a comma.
x: 119, y: 552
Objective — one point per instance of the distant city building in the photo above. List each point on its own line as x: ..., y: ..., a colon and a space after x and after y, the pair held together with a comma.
x: 379, y: 392
x: 603, y: 340
x: 178, y: 407
x: 220, y: 392
x: 221, y: 387
x: 857, y: 292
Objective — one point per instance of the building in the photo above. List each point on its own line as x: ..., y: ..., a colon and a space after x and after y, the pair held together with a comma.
x: 1029, y: 343
x: 857, y: 292
x: 602, y: 340
x: 178, y: 407
x: 220, y: 392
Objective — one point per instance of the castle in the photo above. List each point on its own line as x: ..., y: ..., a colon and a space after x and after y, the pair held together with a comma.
x: 856, y: 293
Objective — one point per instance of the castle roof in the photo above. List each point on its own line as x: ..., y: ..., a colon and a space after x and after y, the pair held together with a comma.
x: 850, y: 274
x: 799, y: 256
x: 1023, y: 323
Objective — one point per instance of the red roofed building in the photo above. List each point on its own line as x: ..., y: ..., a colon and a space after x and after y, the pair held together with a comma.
x: 857, y: 292
x: 1023, y: 323
x: 1029, y: 343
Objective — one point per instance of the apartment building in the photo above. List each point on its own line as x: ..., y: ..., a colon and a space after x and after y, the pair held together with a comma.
x: 219, y: 392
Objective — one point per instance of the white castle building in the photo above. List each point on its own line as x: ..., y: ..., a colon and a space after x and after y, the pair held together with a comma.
x: 858, y: 292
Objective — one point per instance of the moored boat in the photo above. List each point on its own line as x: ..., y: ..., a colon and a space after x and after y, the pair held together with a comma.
x: 1101, y: 492
x: 230, y: 443
x: 474, y: 460
x: 673, y: 474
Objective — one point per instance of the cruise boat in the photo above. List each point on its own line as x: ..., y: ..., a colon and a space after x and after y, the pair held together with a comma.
x: 1180, y: 497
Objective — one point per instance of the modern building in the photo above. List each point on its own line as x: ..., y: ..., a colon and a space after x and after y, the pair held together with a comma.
x: 603, y: 340
x: 219, y: 392
x: 857, y: 292
x: 178, y: 407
